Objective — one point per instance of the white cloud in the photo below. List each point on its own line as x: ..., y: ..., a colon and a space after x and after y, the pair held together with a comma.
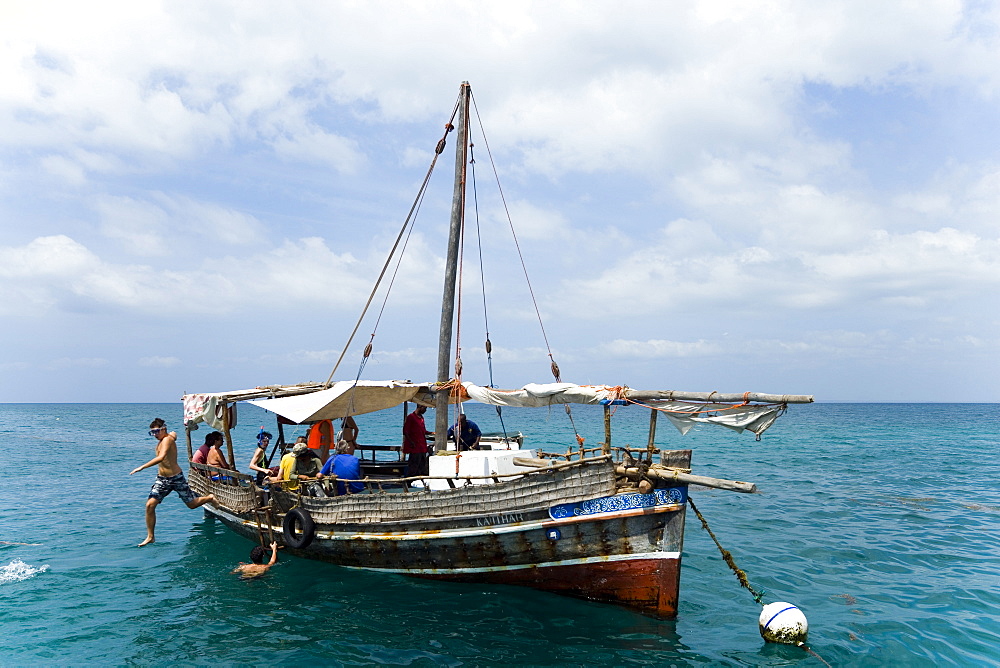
x: 659, y: 348
x: 159, y: 362
x: 56, y: 256
x: 161, y: 224
x: 675, y: 83
x: 531, y: 222
x: 304, y: 273
x: 747, y: 164
x: 949, y: 262
x: 314, y: 145
x: 139, y: 226
x: 78, y: 362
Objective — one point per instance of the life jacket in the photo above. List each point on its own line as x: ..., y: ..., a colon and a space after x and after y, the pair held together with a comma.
x: 321, y: 436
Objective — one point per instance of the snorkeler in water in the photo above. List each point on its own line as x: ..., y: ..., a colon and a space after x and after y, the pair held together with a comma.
x: 257, y: 567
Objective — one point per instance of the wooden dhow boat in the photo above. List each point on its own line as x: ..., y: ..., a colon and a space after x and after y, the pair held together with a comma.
x: 604, y: 523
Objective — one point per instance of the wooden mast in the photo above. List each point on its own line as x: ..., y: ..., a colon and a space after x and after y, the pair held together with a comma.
x: 451, y: 268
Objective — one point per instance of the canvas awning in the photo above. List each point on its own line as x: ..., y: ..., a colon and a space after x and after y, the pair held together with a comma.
x: 341, y: 399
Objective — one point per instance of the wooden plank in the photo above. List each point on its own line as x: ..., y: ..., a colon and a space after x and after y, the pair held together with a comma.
x: 672, y: 475
x: 733, y: 397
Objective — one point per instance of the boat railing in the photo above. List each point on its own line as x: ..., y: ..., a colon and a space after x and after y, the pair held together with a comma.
x: 531, y: 488
x: 618, y: 452
x: 373, y: 449
x: 416, y: 484
x: 232, y: 489
x: 221, y: 475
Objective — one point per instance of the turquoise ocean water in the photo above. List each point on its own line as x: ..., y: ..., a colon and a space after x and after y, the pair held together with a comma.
x: 881, y: 522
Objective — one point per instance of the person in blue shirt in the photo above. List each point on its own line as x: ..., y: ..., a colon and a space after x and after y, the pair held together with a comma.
x: 469, y: 433
x: 345, y: 466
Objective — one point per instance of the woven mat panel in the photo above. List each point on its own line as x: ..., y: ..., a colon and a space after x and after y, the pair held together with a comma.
x: 236, y: 497
x: 538, y: 490
x: 198, y: 482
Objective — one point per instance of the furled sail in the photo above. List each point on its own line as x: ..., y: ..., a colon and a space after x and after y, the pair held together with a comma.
x: 683, y: 415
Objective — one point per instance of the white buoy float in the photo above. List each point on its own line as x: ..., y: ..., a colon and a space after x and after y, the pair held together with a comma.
x: 783, y: 623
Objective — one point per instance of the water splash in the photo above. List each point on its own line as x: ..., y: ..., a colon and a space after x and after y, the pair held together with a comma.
x: 17, y: 570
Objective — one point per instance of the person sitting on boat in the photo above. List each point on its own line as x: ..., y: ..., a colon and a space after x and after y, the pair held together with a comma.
x: 346, y: 467
x: 415, y: 442
x: 300, y: 463
x: 348, y: 432
x: 258, y: 462
x: 469, y: 433
x: 201, y: 454
x: 215, y: 456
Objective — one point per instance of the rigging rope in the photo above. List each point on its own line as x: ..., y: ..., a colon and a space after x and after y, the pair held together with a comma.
x: 388, y: 290
x: 410, y: 217
x: 482, y: 277
x: 524, y: 268
x: 459, y: 409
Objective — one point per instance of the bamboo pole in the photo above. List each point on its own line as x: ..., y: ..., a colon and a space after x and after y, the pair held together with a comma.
x: 187, y: 433
x: 406, y: 412
x: 606, y: 449
x: 672, y: 475
x: 728, y: 398
x: 229, y: 438
x: 549, y: 464
x: 652, y: 434
x: 447, y: 325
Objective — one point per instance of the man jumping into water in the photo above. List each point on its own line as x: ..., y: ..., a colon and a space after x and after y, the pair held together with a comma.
x: 169, y: 478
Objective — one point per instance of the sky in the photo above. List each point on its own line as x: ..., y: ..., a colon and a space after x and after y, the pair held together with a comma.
x: 781, y: 197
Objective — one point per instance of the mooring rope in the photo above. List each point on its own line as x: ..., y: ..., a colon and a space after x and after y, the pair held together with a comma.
x: 728, y: 557
x: 741, y: 575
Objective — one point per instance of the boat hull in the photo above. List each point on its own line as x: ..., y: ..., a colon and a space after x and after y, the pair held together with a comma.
x: 647, y: 583
x: 622, y: 549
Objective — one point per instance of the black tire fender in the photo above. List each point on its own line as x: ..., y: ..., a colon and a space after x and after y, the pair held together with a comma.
x: 300, y: 516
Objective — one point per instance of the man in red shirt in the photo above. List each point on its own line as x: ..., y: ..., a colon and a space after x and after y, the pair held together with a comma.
x: 415, y: 442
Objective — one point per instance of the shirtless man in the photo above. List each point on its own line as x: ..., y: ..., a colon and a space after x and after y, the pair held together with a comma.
x: 349, y: 431
x: 257, y: 567
x: 169, y: 478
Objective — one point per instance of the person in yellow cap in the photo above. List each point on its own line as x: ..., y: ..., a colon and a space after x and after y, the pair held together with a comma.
x: 300, y: 463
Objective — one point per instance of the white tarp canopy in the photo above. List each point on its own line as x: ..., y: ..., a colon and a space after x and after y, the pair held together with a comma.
x: 366, y: 396
x: 341, y: 399
x: 535, y: 394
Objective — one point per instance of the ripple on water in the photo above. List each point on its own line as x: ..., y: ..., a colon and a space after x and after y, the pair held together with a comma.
x: 17, y: 571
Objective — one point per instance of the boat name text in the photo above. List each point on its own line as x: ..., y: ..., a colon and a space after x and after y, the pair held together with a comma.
x: 499, y: 519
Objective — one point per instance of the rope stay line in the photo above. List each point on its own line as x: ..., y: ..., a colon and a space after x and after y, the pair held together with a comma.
x: 524, y: 268
x: 395, y: 272
x: 459, y: 408
x: 410, y: 217
x: 482, y: 279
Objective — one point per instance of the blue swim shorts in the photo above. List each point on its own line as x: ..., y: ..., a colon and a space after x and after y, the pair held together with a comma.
x: 175, y: 483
